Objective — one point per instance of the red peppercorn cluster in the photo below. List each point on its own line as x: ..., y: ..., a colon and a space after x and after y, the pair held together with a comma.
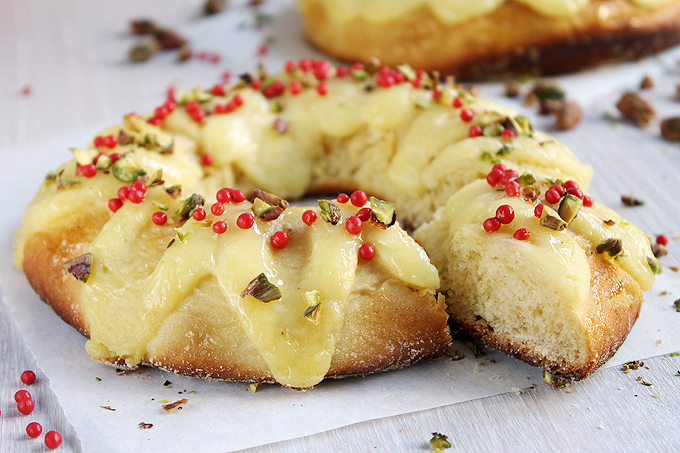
x: 504, y: 216
x: 499, y: 174
x: 108, y: 141
x: 223, y: 196
x: 555, y: 193
x: 25, y: 406
x: 195, y: 111
x: 163, y: 110
x: 135, y: 193
x: 388, y: 77
x: 236, y: 102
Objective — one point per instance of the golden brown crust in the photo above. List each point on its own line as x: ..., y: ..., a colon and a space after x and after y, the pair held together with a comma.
x: 606, y: 318
x: 388, y: 324
x: 512, y: 40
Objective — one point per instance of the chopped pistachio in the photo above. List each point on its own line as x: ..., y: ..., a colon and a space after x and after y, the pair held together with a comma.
x: 555, y: 381
x: 63, y: 183
x: 126, y: 169
x: 612, y: 246
x: 195, y: 94
x: 268, y: 206
x: 103, y: 162
x: 168, y: 39
x: 569, y: 207
x: 440, y: 441
x: 155, y: 178
x: 654, y: 265
x: 544, y: 90
x: 181, y: 234
x: 408, y: 72
x: 524, y: 124
x: 609, y: 222
x: 676, y: 304
x: 159, y: 205
x: 636, y: 108
x: 265, y: 211
x: 313, y: 301
x: 659, y: 250
x: 512, y: 88
x: 253, y: 387
x: 79, y: 267
x: 359, y: 74
x: 51, y: 176
x: 551, y: 219
x: 84, y: 156
x: 330, y: 212
x: 261, y: 289
x: 527, y: 178
x: 214, y: 6
x: 124, y: 138
x: 383, y: 212
x: 646, y: 383
x: 492, y: 130
x: 630, y: 200
x: 189, y: 204
x: 143, y: 50
x: 505, y: 149
x: 173, y: 190
x: 143, y: 425
x: 455, y: 354
x: 486, y: 155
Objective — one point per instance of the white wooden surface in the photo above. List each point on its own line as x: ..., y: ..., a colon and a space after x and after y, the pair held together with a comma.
x: 72, y: 55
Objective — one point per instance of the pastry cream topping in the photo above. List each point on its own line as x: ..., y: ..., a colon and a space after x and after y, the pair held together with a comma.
x: 559, y: 255
x: 448, y: 11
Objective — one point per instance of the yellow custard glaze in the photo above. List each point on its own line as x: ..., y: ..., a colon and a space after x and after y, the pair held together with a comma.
x: 559, y: 257
x: 135, y: 285
x: 397, y: 143
x: 447, y: 11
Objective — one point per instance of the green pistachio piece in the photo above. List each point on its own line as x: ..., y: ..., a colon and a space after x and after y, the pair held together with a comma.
x: 268, y: 206
x: 195, y: 94
x: 103, y: 162
x: 439, y: 441
x: 63, y: 183
x: 612, y: 246
x: 261, y: 289
x: 486, y: 155
x: 181, y: 234
x: 492, y: 130
x: 525, y: 126
x: 569, y: 207
x: 189, y: 204
x: 654, y: 265
x: 84, y: 156
x: 159, y: 205
x: 359, y: 74
x: 555, y: 381
x: 408, y: 72
x: 79, y: 267
x: 383, y: 212
x: 126, y: 170
x: 551, y: 219
x: 173, y: 190
x: 313, y: 301
x: 505, y: 149
x: 330, y: 212
x: 264, y: 210
x: 527, y: 179
x: 545, y: 90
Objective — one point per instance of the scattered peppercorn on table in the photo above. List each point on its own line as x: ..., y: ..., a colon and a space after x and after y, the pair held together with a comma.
x: 82, y: 81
